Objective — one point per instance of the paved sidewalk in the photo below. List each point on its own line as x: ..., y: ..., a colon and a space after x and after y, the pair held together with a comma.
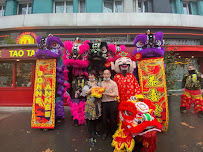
x: 185, y: 133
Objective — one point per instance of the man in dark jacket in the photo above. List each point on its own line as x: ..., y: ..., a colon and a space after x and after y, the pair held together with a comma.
x: 191, y: 85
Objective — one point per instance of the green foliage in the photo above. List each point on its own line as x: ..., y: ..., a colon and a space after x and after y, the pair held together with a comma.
x: 9, y: 40
x: 169, y: 59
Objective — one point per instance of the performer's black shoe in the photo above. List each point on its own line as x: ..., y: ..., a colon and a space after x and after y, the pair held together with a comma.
x: 59, y: 119
x: 96, y: 134
x: 200, y: 114
x: 104, y: 136
x: 75, y: 122
x: 183, y: 110
x: 92, y: 141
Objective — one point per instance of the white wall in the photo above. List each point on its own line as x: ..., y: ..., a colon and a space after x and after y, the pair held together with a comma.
x: 87, y: 20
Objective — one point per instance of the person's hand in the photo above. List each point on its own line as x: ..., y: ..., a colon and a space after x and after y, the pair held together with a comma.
x: 183, y: 90
x: 105, y: 93
x: 89, y: 92
x: 77, y: 91
x: 202, y: 90
x: 76, y: 94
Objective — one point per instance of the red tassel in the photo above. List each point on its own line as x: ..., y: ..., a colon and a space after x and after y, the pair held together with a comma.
x: 149, y: 142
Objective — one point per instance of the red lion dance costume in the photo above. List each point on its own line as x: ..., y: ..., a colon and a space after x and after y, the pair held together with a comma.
x: 192, y: 94
x: 135, y: 116
x: 137, y: 119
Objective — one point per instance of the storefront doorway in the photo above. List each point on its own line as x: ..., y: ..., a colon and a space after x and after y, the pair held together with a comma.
x: 16, y: 82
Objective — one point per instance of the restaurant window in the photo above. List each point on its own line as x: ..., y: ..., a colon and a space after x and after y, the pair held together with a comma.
x: 24, y: 8
x: 181, y: 69
x: 63, y: 6
x: 111, y: 6
x: 82, y: 7
x: 118, y: 6
x: 2, y: 10
x: 23, y: 74
x: 186, y: 8
x: 16, y: 74
x: 141, y: 6
x: 6, y: 74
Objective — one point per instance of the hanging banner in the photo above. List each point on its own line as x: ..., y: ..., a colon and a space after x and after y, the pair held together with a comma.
x: 43, y: 110
x: 153, y: 84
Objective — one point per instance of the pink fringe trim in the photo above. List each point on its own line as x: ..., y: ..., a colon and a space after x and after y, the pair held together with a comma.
x: 78, y: 112
x: 76, y: 63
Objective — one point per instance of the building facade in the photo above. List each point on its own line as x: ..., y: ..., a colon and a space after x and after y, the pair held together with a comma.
x: 115, y: 21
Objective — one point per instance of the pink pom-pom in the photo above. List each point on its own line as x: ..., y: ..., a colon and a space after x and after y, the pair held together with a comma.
x: 112, y: 48
x: 123, y: 47
x: 86, y: 42
x: 83, y: 48
x: 68, y: 45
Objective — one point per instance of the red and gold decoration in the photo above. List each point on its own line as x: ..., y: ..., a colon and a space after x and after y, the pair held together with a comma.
x: 192, y: 96
x: 97, y: 92
x: 127, y: 86
x: 43, y: 111
x: 122, y: 54
x: 153, y: 85
x: 26, y: 38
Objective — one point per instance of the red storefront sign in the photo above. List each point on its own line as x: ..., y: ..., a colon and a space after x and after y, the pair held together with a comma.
x: 10, y: 93
x: 17, y: 53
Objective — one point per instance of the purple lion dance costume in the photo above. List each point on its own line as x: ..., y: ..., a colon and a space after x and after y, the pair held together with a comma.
x: 76, y: 62
x: 149, y: 45
x: 51, y: 48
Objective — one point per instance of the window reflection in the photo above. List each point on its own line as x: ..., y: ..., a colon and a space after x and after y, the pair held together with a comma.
x: 141, y: 6
x: 30, y: 8
x: 2, y: 8
x: 59, y: 7
x: 22, y: 9
x: 25, y: 8
x: 113, y: 6
x: 108, y: 6
x: 64, y: 7
x: 69, y: 7
x: 82, y: 6
x: 118, y: 7
x: 6, y: 74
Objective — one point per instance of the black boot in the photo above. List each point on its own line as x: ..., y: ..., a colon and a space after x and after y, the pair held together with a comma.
x: 104, y: 136
x: 183, y: 110
x: 92, y: 141
x: 75, y: 122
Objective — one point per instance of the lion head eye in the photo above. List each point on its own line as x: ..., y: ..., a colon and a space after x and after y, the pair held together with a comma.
x: 158, y: 42
x: 85, y: 54
x: 128, y: 113
x: 55, y: 45
x: 139, y: 44
x: 104, y: 50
